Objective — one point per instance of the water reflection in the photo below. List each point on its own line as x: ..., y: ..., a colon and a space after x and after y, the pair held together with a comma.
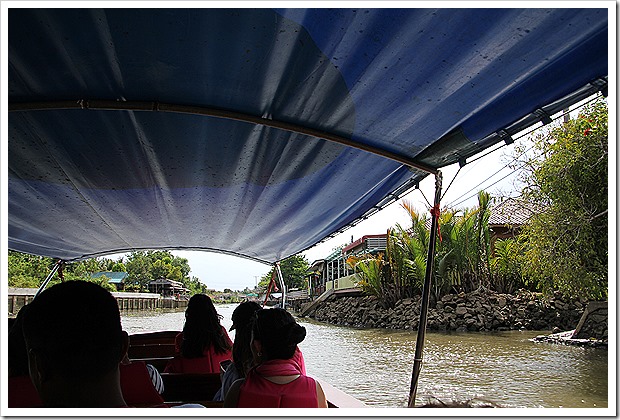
x: 375, y: 365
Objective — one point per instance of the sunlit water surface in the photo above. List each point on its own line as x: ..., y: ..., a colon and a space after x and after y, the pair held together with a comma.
x: 374, y: 365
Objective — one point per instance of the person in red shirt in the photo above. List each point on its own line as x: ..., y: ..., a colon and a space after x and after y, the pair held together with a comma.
x: 204, y: 342
x: 277, y: 379
x: 137, y: 384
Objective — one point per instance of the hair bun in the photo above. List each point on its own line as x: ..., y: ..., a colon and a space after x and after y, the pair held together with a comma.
x: 295, y: 334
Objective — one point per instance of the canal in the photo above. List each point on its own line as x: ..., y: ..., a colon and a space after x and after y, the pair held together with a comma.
x: 374, y: 365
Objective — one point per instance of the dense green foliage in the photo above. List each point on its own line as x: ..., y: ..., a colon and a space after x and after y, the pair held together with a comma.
x: 507, y: 265
x: 30, y: 271
x: 374, y: 276
x: 293, y: 269
x: 464, y: 250
x: 567, y: 246
x: 144, y: 266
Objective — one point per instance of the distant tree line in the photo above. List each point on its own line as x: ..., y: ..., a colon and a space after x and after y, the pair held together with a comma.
x: 26, y: 270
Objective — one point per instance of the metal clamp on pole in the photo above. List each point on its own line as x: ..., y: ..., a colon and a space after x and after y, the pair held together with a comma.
x: 426, y: 290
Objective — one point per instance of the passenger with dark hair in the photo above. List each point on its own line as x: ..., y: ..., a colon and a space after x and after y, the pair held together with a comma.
x: 75, y: 342
x: 204, y: 342
x: 242, y: 354
x: 277, y: 379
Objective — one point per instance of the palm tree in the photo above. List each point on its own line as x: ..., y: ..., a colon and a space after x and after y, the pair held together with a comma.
x: 464, y: 248
x: 407, y: 249
x: 462, y: 263
x: 372, y: 272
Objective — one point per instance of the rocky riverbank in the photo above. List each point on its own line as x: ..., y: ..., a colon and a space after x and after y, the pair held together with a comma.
x: 475, y: 311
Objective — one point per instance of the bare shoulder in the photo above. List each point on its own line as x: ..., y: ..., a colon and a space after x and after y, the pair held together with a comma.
x: 320, y: 395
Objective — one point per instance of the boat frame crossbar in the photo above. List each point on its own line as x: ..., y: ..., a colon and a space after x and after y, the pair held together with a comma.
x: 49, y: 277
x: 426, y: 291
x: 114, y: 105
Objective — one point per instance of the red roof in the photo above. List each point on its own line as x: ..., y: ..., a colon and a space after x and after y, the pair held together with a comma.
x: 362, y: 240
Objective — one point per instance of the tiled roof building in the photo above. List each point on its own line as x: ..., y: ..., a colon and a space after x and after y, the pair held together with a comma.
x: 508, y: 216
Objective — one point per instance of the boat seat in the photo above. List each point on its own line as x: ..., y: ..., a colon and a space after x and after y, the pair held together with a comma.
x: 158, y: 363
x: 190, y: 387
x: 155, y: 337
x: 141, y: 351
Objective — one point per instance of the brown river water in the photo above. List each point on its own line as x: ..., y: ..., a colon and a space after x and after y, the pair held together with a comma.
x: 374, y: 365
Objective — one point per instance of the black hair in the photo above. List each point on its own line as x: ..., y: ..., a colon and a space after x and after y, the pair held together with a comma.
x: 243, y: 317
x: 202, y: 328
x: 278, y: 333
x: 76, y: 327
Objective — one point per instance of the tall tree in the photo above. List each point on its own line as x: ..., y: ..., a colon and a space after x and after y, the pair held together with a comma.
x: 144, y: 266
x: 293, y: 269
x: 139, y: 270
x: 567, y: 241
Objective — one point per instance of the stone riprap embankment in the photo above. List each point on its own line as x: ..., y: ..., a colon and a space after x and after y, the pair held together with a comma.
x: 475, y: 311
x: 591, y: 331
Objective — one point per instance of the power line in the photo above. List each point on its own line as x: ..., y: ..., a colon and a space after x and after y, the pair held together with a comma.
x: 453, y: 203
x: 527, y: 133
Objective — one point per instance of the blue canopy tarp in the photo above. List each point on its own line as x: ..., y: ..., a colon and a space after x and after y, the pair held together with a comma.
x: 210, y: 128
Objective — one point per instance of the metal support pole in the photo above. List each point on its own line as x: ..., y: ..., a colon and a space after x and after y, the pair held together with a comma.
x: 49, y: 277
x: 426, y: 291
x: 114, y: 104
x: 282, y: 285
